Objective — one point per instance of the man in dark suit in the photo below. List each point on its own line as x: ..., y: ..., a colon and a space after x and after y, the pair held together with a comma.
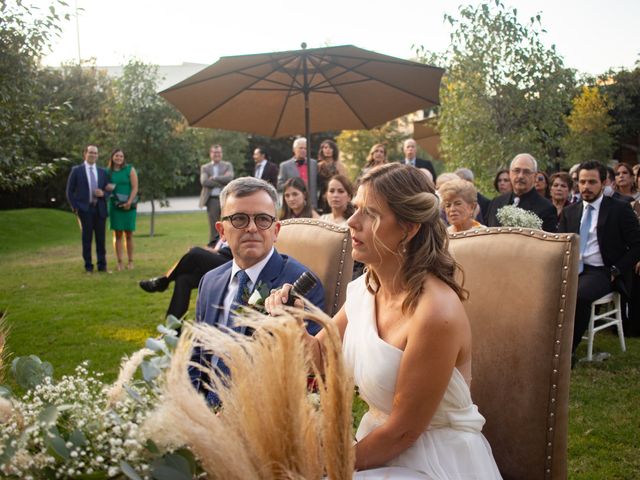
x: 297, y: 166
x: 522, y: 174
x: 86, y: 193
x: 609, y: 242
x: 410, y: 149
x: 265, y: 169
x: 249, y: 226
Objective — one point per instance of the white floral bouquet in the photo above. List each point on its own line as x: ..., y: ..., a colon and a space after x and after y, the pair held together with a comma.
x: 512, y: 216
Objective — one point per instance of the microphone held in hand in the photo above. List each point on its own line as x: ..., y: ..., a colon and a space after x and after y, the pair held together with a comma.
x: 301, y: 287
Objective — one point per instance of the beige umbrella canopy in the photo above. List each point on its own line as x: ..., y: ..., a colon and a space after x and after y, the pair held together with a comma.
x: 321, y: 89
x: 426, y: 135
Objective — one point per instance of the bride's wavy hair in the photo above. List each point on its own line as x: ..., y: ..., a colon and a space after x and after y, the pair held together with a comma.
x: 413, y: 201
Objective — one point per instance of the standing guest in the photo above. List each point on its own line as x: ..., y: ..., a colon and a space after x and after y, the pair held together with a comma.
x: 250, y: 228
x: 561, y: 188
x: 410, y: 149
x: 632, y: 326
x: 265, y: 169
x: 543, y: 185
x: 297, y: 167
x: 122, y: 205
x: 213, y: 177
x: 522, y: 174
x: 625, y: 182
x: 502, y: 182
x: 329, y: 164
x: 575, y: 194
x: 609, y: 243
x: 459, y: 203
x: 296, y: 200
x: 339, y: 196
x: 86, y: 188
x: 406, y: 338
x: 482, y: 201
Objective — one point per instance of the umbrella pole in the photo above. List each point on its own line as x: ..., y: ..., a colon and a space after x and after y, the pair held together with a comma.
x: 305, y: 91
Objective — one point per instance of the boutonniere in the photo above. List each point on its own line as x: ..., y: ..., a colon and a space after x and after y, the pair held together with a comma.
x: 257, y: 298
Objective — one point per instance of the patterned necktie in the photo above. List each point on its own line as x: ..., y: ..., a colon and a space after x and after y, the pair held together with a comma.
x: 92, y: 184
x: 239, y: 300
x: 585, y: 226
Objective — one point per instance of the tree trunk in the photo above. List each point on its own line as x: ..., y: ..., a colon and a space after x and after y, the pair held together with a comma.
x: 153, y: 218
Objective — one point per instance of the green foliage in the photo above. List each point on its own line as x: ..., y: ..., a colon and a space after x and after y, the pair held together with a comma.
x: 590, y: 128
x: 623, y: 88
x: 504, y: 92
x: 25, y: 34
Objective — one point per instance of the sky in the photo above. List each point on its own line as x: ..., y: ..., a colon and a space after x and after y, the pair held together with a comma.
x: 591, y: 36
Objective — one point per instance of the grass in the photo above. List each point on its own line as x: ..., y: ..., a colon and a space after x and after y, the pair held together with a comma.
x: 63, y: 315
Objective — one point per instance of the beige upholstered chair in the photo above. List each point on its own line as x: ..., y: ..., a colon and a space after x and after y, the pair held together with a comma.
x: 522, y: 285
x: 326, y: 249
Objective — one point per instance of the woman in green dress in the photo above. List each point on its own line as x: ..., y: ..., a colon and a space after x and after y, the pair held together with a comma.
x: 122, y: 205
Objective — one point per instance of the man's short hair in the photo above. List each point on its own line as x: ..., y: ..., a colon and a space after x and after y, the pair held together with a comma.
x: 245, y: 186
x: 574, y: 169
x: 86, y: 148
x: 299, y: 141
x: 465, y: 174
x: 529, y: 157
x: 216, y: 146
x: 404, y: 144
x: 594, y: 165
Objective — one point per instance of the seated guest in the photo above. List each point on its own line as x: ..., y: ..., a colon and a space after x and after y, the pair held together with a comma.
x: 459, y: 202
x: 339, y: 195
x: 296, y: 200
x: 186, y: 274
x: 543, y: 185
x: 483, y: 202
x: 522, y: 172
x: 502, y: 182
x: 625, y: 182
x: 561, y: 187
x: 609, y: 242
x: 249, y: 226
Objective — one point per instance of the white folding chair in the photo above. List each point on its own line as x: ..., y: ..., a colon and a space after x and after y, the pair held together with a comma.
x: 611, y: 316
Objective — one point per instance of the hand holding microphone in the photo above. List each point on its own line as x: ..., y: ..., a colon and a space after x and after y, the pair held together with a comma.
x: 300, y: 288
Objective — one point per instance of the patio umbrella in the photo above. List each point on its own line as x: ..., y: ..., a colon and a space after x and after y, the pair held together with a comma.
x: 426, y: 135
x: 320, y: 89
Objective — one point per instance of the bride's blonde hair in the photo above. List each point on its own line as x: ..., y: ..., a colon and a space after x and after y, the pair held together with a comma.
x: 412, y: 200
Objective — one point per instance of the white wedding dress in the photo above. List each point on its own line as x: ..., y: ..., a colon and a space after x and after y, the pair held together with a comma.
x: 452, y: 447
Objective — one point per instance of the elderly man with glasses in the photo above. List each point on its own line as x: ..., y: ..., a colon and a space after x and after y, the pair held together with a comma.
x: 249, y: 226
x: 522, y: 173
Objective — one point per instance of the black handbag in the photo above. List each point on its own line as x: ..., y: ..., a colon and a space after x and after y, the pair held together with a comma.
x: 121, y: 199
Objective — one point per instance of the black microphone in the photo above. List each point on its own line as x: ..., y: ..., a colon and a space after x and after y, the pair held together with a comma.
x: 301, y: 287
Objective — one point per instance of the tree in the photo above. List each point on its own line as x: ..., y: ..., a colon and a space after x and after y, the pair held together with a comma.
x: 504, y: 92
x: 24, y: 35
x: 590, y: 127
x: 151, y: 133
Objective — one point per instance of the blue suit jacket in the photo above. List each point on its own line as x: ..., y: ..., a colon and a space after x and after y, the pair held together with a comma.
x: 78, y: 189
x: 279, y: 269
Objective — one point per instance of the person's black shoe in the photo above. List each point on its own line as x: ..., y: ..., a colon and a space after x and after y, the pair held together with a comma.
x: 158, y: 284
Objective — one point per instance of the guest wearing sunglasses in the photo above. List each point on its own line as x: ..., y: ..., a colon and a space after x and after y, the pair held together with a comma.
x: 250, y: 228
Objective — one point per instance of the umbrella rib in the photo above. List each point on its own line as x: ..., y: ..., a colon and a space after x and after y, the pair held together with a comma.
x: 286, y: 100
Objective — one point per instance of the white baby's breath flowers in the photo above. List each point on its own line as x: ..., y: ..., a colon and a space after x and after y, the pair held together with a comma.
x: 512, y: 216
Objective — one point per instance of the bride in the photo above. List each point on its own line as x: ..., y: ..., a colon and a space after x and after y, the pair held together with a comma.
x: 406, y: 337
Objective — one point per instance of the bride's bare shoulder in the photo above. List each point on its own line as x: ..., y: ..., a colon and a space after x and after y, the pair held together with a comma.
x: 439, y: 306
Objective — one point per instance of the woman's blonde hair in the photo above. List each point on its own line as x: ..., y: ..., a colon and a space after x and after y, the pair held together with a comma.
x: 412, y: 201
x: 459, y: 188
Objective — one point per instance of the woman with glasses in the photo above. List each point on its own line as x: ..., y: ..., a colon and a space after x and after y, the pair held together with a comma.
x: 406, y: 337
x: 296, y: 200
x: 625, y: 182
x: 542, y: 185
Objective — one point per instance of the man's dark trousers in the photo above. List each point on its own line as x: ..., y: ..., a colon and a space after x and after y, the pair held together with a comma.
x: 93, y: 224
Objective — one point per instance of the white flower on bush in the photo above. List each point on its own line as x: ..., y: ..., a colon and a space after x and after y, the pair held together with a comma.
x: 512, y: 216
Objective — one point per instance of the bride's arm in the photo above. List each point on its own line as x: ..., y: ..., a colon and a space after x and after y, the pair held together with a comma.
x: 274, y: 302
x: 433, y: 345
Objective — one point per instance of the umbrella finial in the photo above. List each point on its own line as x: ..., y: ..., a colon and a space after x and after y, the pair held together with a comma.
x: 303, y: 45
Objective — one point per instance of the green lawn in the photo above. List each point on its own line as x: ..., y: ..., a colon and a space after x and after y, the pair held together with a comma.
x: 63, y: 315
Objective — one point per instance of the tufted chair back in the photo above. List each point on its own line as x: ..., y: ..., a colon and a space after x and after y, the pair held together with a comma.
x: 522, y: 287
x: 326, y: 249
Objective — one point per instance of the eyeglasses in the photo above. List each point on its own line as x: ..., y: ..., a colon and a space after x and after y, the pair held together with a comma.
x: 523, y: 171
x: 241, y: 220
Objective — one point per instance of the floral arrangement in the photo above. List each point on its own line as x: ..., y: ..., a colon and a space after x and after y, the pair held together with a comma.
x: 256, y: 298
x: 512, y: 216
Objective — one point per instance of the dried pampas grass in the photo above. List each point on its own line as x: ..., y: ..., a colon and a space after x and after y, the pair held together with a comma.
x: 268, y: 427
x: 128, y: 368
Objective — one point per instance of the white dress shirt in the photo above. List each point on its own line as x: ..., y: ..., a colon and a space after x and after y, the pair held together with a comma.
x: 253, y: 272
x: 215, y: 191
x: 260, y: 168
x: 592, y: 254
x: 87, y: 170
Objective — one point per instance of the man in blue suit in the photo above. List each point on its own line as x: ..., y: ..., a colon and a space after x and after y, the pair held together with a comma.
x: 248, y: 224
x: 86, y: 193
